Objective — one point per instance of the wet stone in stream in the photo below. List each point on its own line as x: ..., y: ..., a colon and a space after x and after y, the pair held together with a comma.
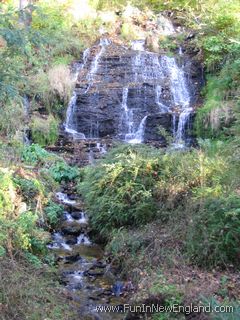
x: 83, y: 270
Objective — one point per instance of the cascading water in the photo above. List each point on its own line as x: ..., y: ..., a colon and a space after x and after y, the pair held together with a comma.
x: 70, y: 121
x: 180, y: 96
x: 162, y: 107
x: 127, y: 90
x: 94, y: 66
x: 131, y: 134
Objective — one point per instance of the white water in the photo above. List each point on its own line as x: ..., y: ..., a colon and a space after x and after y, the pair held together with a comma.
x: 69, y: 125
x: 180, y: 97
x: 83, y: 219
x: 83, y: 239
x: 138, y: 45
x: 101, y: 147
x: 68, y: 217
x: 59, y: 242
x: 138, y: 136
x: 162, y: 107
x: 64, y: 198
x: 147, y: 67
x: 94, y: 66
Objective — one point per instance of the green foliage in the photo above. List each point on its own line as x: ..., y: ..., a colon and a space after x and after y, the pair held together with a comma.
x: 53, y: 211
x: 134, y: 185
x: 44, y: 131
x: 29, y: 188
x: 18, y: 227
x: 11, y: 118
x: 118, y: 191
x: 60, y: 171
x: 214, y: 233
x: 230, y: 308
x: 169, y: 292
x: 35, y: 154
x: 222, y: 103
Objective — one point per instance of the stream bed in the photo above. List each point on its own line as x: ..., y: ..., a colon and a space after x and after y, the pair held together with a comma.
x: 88, y: 278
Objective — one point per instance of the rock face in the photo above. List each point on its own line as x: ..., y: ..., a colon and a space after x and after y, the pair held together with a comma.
x: 127, y: 93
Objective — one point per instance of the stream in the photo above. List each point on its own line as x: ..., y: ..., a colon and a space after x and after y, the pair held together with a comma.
x: 87, y: 276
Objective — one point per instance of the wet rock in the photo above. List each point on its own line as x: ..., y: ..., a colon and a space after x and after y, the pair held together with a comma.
x: 72, y: 259
x: 76, y: 214
x: 72, y: 228
x: 99, y: 111
x: 95, y: 272
x: 153, y: 125
x: 71, y: 241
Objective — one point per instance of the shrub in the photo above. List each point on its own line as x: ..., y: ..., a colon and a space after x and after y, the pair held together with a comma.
x: 119, y: 190
x: 61, y: 82
x: 136, y: 184
x: 34, y: 154
x: 213, y: 234
x: 53, y: 211
x: 11, y: 119
x: 44, y: 131
x: 18, y: 227
x: 63, y: 172
x: 29, y: 188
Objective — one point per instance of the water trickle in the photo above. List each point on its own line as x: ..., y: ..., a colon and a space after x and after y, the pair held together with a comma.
x: 138, y: 45
x: 162, y: 107
x: 83, y: 219
x: 64, y: 198
x: 182, y: 123
x: 59, y: 242
x: 178, y: 85
x: 83, y: 239
x: 102, y: 148
x: 138, y: 136
x: 127, y: 117
x: 180, y: 97
x: 146, y: 67
x: 94, y: 66
x: 70, y: 123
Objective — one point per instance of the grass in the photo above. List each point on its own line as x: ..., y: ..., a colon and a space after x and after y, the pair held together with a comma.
x: 31, y: 293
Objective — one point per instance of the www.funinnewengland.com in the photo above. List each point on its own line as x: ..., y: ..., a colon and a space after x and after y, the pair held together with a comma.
x: 155, y: 308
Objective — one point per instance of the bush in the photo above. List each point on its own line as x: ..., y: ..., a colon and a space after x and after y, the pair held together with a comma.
x: 119, y: 191
x: 61, y: 82
x: 63, y: 172
x: 44, y: 131
x: 53, y: 211
x: 18, y: 226
x: 213, y: 234
x: 35, y: 154
x: 11, y: 119
x: 29, y: 188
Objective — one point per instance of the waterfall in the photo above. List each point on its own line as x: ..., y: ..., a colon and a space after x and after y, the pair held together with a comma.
x: 180, y: 96
x: 138, y: 136
x: 147, y: 67
x: 130, y: 134
x: 94, y: 66
x: 121, y: 86
x: 138, y: 45
x: 162, y: 107
x: 127, y: 117
x: 70, y: 125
